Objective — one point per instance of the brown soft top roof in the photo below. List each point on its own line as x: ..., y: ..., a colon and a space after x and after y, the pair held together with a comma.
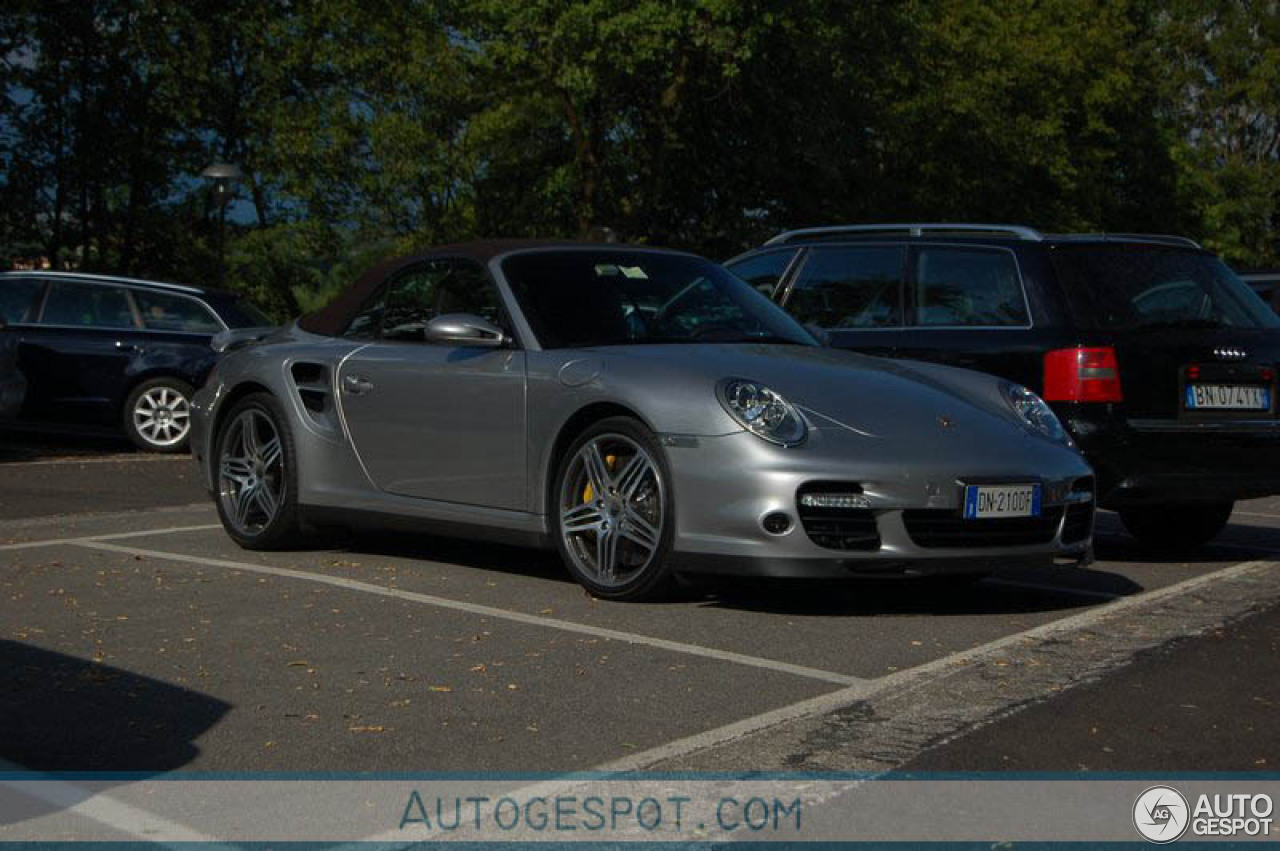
x: 332, y: 319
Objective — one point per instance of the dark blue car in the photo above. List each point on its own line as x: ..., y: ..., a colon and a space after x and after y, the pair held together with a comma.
x: 103, y: 352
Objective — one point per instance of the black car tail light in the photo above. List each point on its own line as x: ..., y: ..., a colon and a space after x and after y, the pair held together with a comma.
x: 1082, y: 374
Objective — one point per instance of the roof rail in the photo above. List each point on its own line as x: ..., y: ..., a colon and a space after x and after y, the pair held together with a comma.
x: 110, y: 279
x: 1020, y: 231
x: 1172, y: 239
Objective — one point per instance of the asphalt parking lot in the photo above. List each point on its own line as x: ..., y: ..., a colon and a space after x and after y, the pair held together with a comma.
x: 140, y: 638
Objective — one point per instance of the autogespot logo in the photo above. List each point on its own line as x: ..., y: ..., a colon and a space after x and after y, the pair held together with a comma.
x: 1160, y: 814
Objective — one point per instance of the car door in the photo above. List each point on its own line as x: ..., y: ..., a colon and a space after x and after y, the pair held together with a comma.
x: 854, y: 293
x: 179, y: 329
x: 76, y: 356
x: 967, y: 307
x: 435, y: 421
x: 20, y: 299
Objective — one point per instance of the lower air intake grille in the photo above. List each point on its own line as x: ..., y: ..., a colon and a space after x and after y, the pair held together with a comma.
x: 946, y: 529
x: 838, y: 528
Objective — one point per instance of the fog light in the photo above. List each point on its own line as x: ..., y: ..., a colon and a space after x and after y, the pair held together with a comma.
x: 776, y: 523
x: 834, y: 500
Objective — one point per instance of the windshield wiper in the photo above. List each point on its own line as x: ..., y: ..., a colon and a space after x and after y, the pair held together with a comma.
x: 764, y: 337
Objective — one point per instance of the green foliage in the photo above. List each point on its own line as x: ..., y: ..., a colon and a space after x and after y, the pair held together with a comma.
x: 366, y: 128
x: 1222, y: 96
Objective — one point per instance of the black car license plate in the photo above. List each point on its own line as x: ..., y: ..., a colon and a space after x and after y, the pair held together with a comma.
x: 1228, y: 397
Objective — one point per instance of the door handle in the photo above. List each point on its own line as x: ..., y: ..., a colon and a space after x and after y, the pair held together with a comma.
x: 355, y: 385
x: 122, y: 346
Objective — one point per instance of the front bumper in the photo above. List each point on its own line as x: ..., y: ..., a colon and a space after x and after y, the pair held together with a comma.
x: 204, y: 406
x: 725, y: 486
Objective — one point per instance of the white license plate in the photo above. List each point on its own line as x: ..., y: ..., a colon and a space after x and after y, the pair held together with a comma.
x: 982, y: 501
x: 1236, y: 397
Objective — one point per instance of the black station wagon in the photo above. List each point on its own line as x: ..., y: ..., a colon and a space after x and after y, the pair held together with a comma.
x: 1157, y: 358
x: 100, y: 352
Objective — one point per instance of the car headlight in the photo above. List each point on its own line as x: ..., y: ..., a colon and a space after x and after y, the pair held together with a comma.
x: 1036, y: 413
x: 762, y: 411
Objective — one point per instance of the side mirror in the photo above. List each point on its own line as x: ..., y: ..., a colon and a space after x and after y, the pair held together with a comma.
x: 465, y: 329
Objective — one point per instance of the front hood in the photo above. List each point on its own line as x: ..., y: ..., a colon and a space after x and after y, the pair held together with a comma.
x: 874, y: 397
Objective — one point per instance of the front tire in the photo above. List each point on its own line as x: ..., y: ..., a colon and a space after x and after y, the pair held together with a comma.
x: 157, y: 415
x: 1177, y: 526
x: 256, y: 475
x: 613, y: 512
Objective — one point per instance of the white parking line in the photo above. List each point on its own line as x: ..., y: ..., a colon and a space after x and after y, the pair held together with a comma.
x: 111, y: 536
x: 95, y: 459
x: 104, y: 809
x: 490, y: 612
x: 1255, y: 514
x: 843, y: 698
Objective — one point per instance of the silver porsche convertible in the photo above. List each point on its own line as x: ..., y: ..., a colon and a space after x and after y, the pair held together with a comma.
x: 642, y: 411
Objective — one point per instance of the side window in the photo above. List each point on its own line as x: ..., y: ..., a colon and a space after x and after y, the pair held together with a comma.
x: 764, y: 270
x: 468, y: 290
x: 963, y: 286
x: 433, y: 289
x: 18, y: 299
x: 87, y: 305
x: 411, y: 300
x: 162, y: 312
x: 850, y: 287
x: 364, y: 325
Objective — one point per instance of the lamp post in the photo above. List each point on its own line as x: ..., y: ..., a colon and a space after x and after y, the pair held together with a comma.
x: 223, y: 177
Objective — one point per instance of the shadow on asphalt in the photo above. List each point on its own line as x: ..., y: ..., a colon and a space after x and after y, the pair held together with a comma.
x: 940, y: 597
x: 29, y: 444
x: 61, y: 713
x: 819, y: 598
x: 1112, y: 545
x: 483, y: 555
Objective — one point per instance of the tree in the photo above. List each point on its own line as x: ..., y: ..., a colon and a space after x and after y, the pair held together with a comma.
x: 94, y: 132
x: 1030, y: 112
x: 1222, y: 62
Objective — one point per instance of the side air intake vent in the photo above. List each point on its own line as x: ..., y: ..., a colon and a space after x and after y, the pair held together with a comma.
x: 315, y: 391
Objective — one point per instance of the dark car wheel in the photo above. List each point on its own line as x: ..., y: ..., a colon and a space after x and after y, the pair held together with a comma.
x: 613, y: 515
x: 256, y: 474
x: 157, y: 415
x: 1174, y: 527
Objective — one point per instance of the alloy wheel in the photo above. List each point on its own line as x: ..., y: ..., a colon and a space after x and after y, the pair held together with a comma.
x: 251, y: 475
x: 612, y: 509
x: 162, y: 416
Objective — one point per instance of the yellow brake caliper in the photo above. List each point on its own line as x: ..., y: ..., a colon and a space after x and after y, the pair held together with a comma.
x: 588, y: 492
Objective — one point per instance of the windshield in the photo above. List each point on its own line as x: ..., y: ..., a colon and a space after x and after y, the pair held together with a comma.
x: 1125, y: 286
x: 242, y: 313
x: 614, y: 298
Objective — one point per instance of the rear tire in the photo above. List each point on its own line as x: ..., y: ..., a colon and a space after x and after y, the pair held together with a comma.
x: 1176, y: 526
x: 157, y: 415
x: 256, y: 475
x: 612, y: 512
